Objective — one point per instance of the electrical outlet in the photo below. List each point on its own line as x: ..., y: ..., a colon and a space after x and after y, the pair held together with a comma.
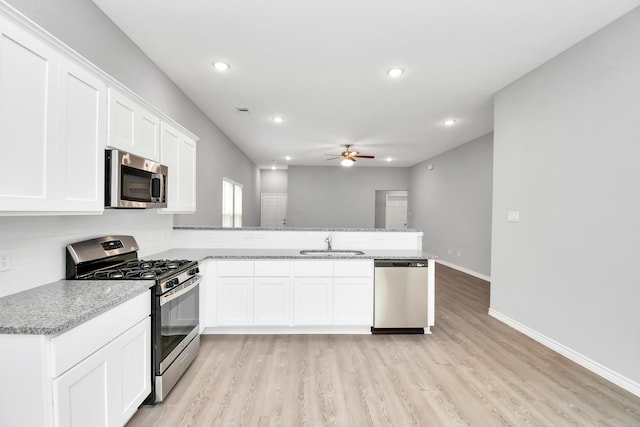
x: 459, y: 253
x: 5, y: 261
x: 450, y: 252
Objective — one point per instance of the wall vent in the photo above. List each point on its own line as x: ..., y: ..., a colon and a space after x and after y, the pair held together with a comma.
x: 243, y: 110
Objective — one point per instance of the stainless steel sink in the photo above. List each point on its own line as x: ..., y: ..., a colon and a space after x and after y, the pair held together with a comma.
x: 327, y: 252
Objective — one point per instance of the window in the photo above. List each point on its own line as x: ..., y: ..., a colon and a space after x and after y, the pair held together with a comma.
x: 231, y: 204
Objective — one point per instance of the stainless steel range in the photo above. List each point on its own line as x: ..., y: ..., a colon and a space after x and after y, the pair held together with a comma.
x: 175, y: 338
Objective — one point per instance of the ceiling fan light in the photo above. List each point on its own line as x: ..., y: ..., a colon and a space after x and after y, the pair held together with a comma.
x: 347, y: 162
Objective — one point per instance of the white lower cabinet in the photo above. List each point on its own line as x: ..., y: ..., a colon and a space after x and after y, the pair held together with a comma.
x: 353, y: 301
x: 96, y: 374
x: 280, y: 293
x: 234, y: 293
x: 106, y: 388
x: 81, y: 395
x: 235, y: 301
x: 272, y: 301
x: 313, y: 301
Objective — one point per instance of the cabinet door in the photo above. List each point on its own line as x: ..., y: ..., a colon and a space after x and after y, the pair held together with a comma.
x: 179, y: 153
x: 353, y: 301
x: 132, y: 128
x: 122, y: 112
x: 82, y: 139
x: 187, y: 175
x: 131, y: 382
x: 272, y: 301
x: 235, y: 301
x: 28, y: 93
x: 81, y: 396
x: 313, y: 301
x: 147, y: 134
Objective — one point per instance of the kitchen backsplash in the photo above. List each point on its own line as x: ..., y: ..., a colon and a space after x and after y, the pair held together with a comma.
x: 36, y: 244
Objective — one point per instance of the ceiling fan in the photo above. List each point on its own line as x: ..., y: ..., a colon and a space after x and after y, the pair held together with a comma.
x: 349, y: 157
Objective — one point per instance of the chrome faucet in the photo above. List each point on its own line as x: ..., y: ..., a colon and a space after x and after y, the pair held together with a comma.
x: 328, y: 242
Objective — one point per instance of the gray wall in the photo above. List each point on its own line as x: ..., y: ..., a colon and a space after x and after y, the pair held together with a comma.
x: 335, y: 196
x: 273, y: 181
x: 82, y: 25
x: 452, y: 204
x: 566, y: 155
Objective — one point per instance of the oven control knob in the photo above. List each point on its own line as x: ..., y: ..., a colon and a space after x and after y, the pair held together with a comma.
x: 194, y: 271
x: 173, y: 283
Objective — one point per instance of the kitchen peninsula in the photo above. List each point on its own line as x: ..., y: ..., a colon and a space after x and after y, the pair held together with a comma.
x: 257, y: 281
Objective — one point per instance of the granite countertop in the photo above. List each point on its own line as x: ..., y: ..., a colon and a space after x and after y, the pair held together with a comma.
x: 56, y: 307
x: 59, y: 306
x: 335, y: 229
x: 229, y: 253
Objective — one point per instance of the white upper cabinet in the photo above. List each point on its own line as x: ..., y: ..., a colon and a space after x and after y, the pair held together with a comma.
x: 82, y: 122
x: 52, y: 127
x: 28, y: 93
x: 178, y: 152
x: 132, y: 127
x: 56, y: 119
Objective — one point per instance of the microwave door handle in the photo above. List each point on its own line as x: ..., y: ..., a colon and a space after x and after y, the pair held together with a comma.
x: 160, y: 178
x: 162, y: 188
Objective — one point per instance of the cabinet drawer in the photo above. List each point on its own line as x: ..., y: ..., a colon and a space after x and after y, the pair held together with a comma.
x: 69, y: 348
x: 272, y: 268
x: 353, y: 268
x: 313, y: 268
x: 235, y: 268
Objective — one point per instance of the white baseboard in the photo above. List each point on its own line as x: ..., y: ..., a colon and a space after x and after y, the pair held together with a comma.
x: 292, y: 330
x: 595, y: 367
x: 464, y: 270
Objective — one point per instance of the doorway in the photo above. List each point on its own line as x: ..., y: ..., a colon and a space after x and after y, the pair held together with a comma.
x: 273, y: 210
x: 391, y: 209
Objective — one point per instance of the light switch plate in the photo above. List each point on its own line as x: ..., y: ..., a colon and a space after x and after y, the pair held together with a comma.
x: 513, y: 216
x: 5, y: 261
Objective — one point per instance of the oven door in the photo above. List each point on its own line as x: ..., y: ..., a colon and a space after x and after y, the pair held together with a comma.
x: 176, y: 322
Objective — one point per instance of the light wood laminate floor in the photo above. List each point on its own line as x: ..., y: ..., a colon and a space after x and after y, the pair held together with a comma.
x: 473, y: 370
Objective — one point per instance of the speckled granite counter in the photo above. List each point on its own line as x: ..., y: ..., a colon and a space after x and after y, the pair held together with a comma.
x: 334, y: 229
x: 56, y: 307
x: 202, y: 254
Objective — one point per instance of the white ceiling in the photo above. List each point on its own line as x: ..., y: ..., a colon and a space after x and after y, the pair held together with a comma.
x: 321, y: 64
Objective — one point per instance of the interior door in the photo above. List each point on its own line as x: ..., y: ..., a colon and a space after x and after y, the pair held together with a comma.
x: 396, y: 212
x: 273, y: 210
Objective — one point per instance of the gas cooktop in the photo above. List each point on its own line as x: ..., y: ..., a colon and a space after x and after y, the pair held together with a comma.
x: 141, y: 269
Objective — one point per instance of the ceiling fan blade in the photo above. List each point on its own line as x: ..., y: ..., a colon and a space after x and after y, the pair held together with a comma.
x: 365, y: 157
x: 332, y: 158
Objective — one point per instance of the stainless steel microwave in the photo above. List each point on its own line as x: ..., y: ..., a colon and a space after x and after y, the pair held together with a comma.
x: 134, y: 182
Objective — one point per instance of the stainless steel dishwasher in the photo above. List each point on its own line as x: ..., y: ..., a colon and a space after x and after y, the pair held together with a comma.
x: 400, y: 296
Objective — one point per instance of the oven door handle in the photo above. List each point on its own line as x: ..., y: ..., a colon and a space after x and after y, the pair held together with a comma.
x: 173, y: 295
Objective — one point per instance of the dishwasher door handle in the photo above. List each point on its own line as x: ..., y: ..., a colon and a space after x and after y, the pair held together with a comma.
x: 400, y: 263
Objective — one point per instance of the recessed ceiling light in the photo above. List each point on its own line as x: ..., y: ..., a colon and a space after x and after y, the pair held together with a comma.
x: 395, y: 72
x: 221, y: 66
x: 288, y: 158
x: 449, y: 122
x: 277, y: 119
x: 273, y: 167
x: 388, y: 159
